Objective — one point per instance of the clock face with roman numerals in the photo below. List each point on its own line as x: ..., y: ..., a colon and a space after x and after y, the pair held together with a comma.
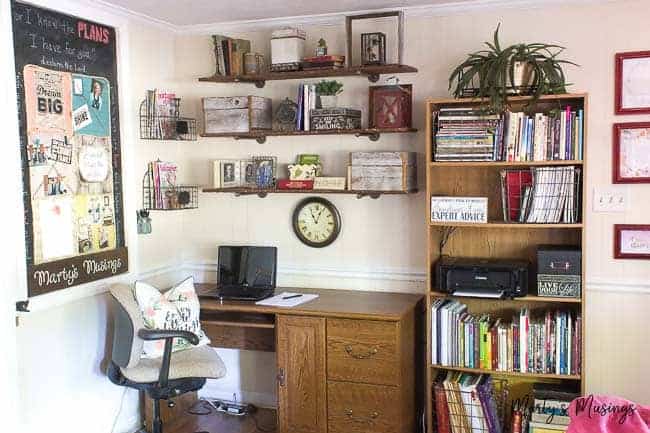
x: 316, y: 222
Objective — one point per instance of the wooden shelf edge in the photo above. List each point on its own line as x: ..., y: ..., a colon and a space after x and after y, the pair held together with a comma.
x: 524, y: 226
x: 529, y: 298
x: 261, y: 134
x: 510, y: 373
x: 317, y: 73
x: 561, y: 96
x: 263, y: 192
x: 438, y: 164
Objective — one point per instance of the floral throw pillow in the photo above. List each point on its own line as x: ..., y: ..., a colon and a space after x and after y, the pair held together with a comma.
x: 178, y: 309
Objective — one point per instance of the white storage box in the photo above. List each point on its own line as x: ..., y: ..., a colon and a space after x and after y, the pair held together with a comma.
x: 287, y: 46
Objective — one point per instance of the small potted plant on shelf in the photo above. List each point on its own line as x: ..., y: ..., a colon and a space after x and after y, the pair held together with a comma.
x: 328, y: 92
x: 521, y: 69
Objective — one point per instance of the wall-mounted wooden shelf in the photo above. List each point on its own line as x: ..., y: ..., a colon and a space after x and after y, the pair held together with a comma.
x: 372, y: 72
x: 502, y: 225
x: 503, y: 163
x: 522, y: 299
x: 510, y: 373
x: 373, y: 134
x: 264, y: 192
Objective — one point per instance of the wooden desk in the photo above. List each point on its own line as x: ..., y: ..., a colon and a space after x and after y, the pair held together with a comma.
x: 346, y: 361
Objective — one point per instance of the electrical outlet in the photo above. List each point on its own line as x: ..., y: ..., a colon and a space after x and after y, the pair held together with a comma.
x: 610, y: 199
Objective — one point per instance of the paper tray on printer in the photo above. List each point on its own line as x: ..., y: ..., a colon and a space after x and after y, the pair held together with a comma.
x: 478, y: 293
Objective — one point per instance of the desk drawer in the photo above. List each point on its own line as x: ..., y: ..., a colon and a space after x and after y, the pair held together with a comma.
x: 362, y: 351
x: 359, y: 408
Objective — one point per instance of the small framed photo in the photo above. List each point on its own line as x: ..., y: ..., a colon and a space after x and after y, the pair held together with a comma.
x: 230, y: 174
x: 247, y: 171
x: 373, y: 48
x: 632, y: 83
x: 632, y: 241
x: 631, y: 152
x: 265, y: 171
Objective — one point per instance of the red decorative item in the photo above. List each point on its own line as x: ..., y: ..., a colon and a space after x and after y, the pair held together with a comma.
x: 295, y: 184
x: 390, y: 106
x: 618, y: 241
x: 618, y: 100
x: 617, y: 176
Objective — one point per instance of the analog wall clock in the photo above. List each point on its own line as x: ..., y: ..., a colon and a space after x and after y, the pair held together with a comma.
x: 316, y: 222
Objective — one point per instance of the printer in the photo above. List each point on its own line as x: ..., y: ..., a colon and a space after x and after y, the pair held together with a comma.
x: 485, y: 278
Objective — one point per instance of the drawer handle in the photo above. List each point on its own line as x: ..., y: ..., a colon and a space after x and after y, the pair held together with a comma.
x: 369, y: 354
x: 361, y: 419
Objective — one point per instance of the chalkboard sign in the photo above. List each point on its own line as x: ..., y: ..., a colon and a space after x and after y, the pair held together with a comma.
x: 66, y: 72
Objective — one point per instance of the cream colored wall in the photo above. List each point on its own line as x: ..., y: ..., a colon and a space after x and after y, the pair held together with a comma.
x: 382, y: 243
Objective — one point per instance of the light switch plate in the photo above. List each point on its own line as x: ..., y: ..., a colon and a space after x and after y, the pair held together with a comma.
x: 610, y: 199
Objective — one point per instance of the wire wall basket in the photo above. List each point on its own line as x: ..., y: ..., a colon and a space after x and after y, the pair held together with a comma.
x: 176, y: 197
x: 165, y: 123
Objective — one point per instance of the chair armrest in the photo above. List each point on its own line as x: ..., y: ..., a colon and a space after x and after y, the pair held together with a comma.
x: 168, y: 335
x: 162, y: 334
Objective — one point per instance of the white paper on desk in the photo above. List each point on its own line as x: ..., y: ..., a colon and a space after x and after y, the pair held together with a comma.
x: 277, y: 301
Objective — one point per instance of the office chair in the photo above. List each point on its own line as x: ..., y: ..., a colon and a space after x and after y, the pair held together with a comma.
x: 161, y: 378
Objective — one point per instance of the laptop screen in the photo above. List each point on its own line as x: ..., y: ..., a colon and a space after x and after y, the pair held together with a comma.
x: 247, y: 266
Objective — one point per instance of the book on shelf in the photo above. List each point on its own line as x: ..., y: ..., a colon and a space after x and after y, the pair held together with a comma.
x: 161, y: 112
x: 471, y: 134
x: 542, y: 343
x: 306, y: 102
x: 541, y: 195
x: 465, y: 403
x: 229, y: 54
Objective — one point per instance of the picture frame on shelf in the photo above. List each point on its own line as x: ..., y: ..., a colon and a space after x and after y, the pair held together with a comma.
x: 373, y: 48
x: 631, y: 152
x: 230, y: 173
x: 632, y: 241
x: 265, y: 171
x: 247, y: 172
x: 399, y: 18
x: 632, y: 75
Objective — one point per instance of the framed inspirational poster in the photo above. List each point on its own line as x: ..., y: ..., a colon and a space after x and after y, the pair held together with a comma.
x: 632, y: 83
x: 631, y: 152
x: 66, y: 77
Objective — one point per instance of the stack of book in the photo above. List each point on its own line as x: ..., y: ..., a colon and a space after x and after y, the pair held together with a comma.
x: 541, y: 195
x: 466, y: 134
x: 161, y: 178
x: 229, y: 54
x: 306, y: 102
x: 466, y: 403
x: 469, y: 134
x: 323, y: 62
x: 551, y: 408
x: 544, y: 343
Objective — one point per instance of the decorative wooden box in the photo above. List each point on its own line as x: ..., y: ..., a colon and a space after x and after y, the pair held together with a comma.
x: 232, y: 114
x: 335, y: 118
x: 382, y: 171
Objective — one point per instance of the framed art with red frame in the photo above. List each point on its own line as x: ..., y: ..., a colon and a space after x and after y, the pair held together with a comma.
x: 631, y: 152
x: 632, y: 83
x: 632, y: 241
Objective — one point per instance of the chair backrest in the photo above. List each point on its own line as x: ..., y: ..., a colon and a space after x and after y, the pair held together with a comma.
x: 127, y: 346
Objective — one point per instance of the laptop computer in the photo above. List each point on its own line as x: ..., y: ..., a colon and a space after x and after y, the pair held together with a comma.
x: 246, y: 273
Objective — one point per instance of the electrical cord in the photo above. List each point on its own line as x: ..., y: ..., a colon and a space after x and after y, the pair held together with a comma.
x: 119, y: 410
x: 206, y: 407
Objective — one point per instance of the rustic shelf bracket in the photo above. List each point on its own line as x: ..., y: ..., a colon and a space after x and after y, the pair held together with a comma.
x: 261, y: 139
x: 260, y: 83
x: 373, y: 78
x: 372, y: 136
x: 373, y: 195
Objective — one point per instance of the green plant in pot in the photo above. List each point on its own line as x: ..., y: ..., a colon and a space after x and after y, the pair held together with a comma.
x: 328, y: 92
x: 496, y: 73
